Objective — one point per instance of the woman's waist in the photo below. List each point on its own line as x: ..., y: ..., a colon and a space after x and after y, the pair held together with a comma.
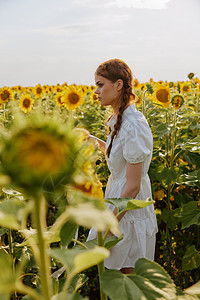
x: 116, y: 177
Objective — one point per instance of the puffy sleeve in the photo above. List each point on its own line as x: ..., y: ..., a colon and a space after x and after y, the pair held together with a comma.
x: 137, y: 141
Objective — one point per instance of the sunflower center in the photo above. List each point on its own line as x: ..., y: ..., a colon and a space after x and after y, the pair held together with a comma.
x: 135, y: 83
x: 41, y: 152
x: 59, y: 100
x: 73, y: 98
x: 177, y: 101
x: 26, y: 103
x: 95, y: 97
x: 5, y: 95
x: 38, y: 90
x: 186, y: 88
x: 162, y: 95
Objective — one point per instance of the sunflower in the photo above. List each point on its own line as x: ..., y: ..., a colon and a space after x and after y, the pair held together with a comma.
x: 159, y: 195
x: 94, y: 98
x: 34, y: 145
x: 91, y: 187
x: 58, y: 98
x: 185, y: 87
x: 161, y: 95
x: 26, y: 103
x: 39, y: 91
x: 196, y: 80
x: 5, y: 95
x: 92, y: 87
x: 160, y: 82
x: 138, y: 97
x: 136, y: 84
x: 49, y: 89
x: 143, y: 86
x: 190, y: 75
x: 19, y: 88
x: 41, y: 154
x: 58, y: 89
x: 138, y: 100
x: 151, y: 80
x: 177, y: 101
x: 72, y: 98
x: 83, y: 88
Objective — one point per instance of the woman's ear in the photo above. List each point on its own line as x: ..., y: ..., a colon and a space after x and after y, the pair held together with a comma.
x: 119, y: 84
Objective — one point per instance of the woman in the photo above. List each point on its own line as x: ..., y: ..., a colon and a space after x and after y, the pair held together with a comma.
x: 128, y: 153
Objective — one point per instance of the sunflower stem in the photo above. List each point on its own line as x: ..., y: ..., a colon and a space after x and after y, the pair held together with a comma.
x: 173, y: 139
x: 144, y: 104
x: 101, y: 267
x: 4, y: 115
x: 66, y: 286
x: 43, y: 259
x: 167, y: 141
x: 24, y: 289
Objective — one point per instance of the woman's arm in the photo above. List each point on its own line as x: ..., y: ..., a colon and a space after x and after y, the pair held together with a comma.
x: 101, y: 144
x: 133, y: 181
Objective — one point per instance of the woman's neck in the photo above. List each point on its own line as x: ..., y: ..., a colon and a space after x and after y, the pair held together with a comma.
x: 116, y: 108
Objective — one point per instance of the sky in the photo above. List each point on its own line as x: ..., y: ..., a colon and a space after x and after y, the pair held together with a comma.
x: 50, y: 42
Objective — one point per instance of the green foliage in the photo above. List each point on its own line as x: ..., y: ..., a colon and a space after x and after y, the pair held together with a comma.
x: 190, y: 214
x: 191, y: 259
x: 174, y: 170
x: 148, y: 281
x: 7, y: 278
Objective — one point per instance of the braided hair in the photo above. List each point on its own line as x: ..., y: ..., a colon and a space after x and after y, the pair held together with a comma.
x: 113, y: 70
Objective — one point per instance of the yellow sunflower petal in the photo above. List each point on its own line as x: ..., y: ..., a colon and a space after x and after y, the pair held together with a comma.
x: 5, y: 95
x: 177, y: 101
x: 26, y: 103
x: 161, y: 95
x: 72, y: 98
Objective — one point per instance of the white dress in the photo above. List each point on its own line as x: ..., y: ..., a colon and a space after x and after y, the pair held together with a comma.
x: 133, y: 144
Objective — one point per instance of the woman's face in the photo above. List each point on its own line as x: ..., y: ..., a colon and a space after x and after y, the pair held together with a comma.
x: 107, y: 91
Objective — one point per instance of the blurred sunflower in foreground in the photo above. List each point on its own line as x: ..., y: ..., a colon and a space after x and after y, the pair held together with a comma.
x: 38, y: 154
x: 72, y: 97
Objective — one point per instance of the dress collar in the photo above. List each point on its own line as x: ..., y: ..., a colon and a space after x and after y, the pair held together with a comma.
x: 129, y: 110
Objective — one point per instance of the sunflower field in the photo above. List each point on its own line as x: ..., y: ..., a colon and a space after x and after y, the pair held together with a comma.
x: 52, y: 183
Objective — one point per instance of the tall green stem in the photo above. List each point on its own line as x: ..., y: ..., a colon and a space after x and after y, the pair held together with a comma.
x: 144, y: 104
x: 43, y: 259
x: 4, y: 114
x: 11, y: 255
x: 11, y: 248
x: 167, y: 141
x: 101, y: 267
x: 173, y: 143
x: 173, y: 140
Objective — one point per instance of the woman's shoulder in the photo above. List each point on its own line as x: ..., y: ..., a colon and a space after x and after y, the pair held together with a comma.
x: 133, y: 118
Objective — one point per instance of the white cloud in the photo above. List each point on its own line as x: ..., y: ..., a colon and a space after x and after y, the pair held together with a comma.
x: 151, y: 4
x: 86, y: 27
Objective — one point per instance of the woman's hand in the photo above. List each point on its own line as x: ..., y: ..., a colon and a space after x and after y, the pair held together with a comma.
x: 97, y: 142
x: 93, y: 139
